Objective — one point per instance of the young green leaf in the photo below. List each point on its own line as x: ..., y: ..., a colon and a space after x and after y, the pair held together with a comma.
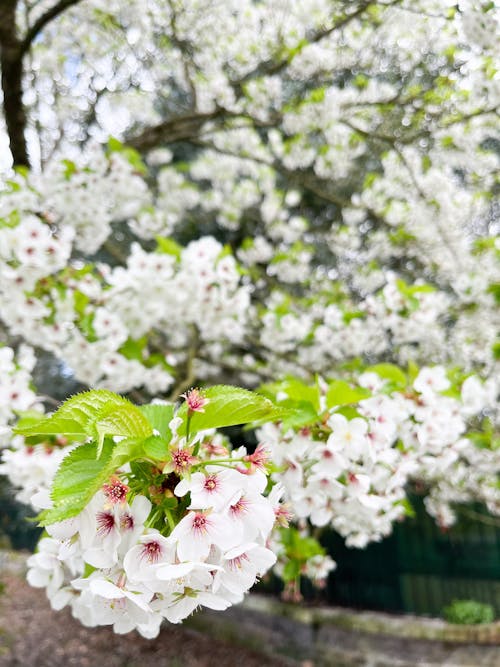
x: 155, y: 447
x: 341, y: 393
x: 228, y: 406
x: 301, y: 413
x: 390, y: 372
x: 159, y: 416
x: 94, y: 414
x: 78, y: 478
x: 125, y: 420
x: 75, y: 417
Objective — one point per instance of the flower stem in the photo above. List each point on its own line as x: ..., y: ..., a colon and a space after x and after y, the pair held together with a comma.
x: 170, y: 519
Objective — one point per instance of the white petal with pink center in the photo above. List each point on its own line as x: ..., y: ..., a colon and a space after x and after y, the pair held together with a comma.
x: 242, y: 566
x: 109, y: 530
x: 251, y: 515
x: 197, y: 531
x: 142, y: 561
x: 211, y: 490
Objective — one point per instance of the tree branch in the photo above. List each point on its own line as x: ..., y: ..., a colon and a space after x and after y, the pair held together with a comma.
x: 42, y: 21
x: 177, y: 128
x: 274, y: 66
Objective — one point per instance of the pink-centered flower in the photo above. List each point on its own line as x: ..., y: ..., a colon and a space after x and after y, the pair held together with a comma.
x: 116, y: 491
x: 195, y: 400
x: 105, y: 523
x: 242, y: 566
x: 258, y: 460
x: 107, y: 531
x: 141, y: 562
x: 198, y: 531
x: 250, y: 515
x: 181, y: 461
x: 213, y: 489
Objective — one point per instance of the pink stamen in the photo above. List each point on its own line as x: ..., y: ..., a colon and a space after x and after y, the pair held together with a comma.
x: 116, y: 491
x: 105, y: 523
x: 195, y: 401
x: 151, y: 551
x: 211, y: 483
x: 283, y: 515
x: 200, y: 524
x: 182, y: 460
x: 258, y: 459
x: 126, y: 522
x: 237, y: 563
x: 242, y: 506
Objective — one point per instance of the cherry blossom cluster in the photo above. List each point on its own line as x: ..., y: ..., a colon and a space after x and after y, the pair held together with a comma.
x: 352, y: 469
x: 158, y: 543
x: 30, y: 466
x: 16, y: 386
x: 88, y: 316
x: 196, y: 296
x: 398, y: 320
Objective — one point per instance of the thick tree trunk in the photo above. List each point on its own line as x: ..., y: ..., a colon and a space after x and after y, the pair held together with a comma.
x: 11, y: 63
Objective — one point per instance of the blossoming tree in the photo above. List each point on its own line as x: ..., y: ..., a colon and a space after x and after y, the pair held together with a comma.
x: 295, y: 197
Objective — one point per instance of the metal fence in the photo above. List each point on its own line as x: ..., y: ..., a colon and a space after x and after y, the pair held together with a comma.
x: 17, y: 528
x: 420, y: 568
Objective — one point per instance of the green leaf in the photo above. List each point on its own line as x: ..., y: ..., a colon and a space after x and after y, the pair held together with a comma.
x: 168, y: 247
x: 229, y: 406
x: 159, y: 416
x: 341, y: 393
x: 348, y: 411
x: 28, y: 418
x: 408, y: 507
x: 495, y: 290
x: 296, y: 391
x: 301, y: 414
x: 413, y: 371
x: 75, y: 416
x: 156, y: 447
x: 95, y: 414
x: 291, y: 570
x: 127, y: 450
x: 124, y: 420
x: 132, y: 156
x: 78, y: 478
x: 390, y: 372
x: 134, y: 349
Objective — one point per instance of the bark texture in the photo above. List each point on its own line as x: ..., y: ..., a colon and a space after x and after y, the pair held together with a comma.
x: 11, y: 64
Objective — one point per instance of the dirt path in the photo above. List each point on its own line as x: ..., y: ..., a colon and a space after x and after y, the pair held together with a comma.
x: 32, y: 635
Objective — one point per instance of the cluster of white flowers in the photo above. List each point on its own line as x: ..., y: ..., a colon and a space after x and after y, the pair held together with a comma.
x: 353, y: 473
x: 16, y: 391
x: 126, y: 561
x: 399, y: 320
x: 29, y: 467
x: 86, y: 316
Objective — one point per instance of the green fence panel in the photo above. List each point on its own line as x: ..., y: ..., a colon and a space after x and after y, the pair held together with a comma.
x: 420, y: 568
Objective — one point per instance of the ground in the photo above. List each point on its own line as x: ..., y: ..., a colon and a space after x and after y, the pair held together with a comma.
x: 32, y: 635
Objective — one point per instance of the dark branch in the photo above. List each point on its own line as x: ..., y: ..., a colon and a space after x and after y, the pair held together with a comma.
x: 178, y: 128
x: 41, y: 22
x: 11, y: 63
